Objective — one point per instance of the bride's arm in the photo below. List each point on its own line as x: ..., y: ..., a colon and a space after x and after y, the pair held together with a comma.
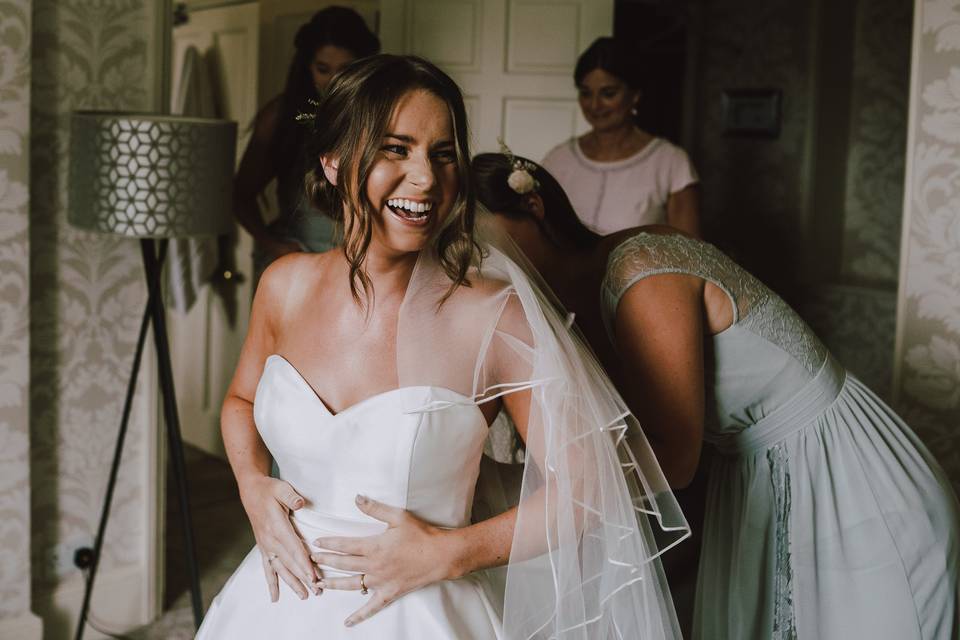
x: 266, y: 500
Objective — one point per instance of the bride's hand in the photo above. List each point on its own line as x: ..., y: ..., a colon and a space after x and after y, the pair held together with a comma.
x: 268, y: 503
x: 410, y: 554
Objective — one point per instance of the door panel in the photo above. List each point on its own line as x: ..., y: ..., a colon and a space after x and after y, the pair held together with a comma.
x: 526, y: 120
x: 447, y: 32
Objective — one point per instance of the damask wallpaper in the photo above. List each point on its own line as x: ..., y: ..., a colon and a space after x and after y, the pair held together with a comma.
x: 87, y: 291
x: 14, y: 308
x: 880, y: 86
x: 839, y: 313
x: 927, y: 362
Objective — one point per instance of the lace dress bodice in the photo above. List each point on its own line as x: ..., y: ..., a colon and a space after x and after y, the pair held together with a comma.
x: 753, y: 366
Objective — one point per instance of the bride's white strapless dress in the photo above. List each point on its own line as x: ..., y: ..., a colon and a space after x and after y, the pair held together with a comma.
x: 425, y: 462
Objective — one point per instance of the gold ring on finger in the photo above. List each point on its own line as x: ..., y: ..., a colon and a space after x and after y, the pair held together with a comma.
x: 363, y: 586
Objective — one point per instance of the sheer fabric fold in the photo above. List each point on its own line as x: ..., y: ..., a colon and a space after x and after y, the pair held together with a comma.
x: 594, y: 510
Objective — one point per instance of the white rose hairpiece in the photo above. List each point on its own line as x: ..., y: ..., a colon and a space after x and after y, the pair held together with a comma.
x: 521, y: 179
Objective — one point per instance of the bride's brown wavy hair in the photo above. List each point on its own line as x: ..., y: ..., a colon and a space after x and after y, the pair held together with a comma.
x: 351, y: 120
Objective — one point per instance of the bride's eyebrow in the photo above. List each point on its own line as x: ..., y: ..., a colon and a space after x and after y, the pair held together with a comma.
x: 410, y: 140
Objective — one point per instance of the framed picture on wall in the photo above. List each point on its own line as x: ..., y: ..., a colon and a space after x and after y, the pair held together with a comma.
x: 750, y: 113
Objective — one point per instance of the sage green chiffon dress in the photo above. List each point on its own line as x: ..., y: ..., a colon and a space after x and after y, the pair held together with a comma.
x: 826, y: 517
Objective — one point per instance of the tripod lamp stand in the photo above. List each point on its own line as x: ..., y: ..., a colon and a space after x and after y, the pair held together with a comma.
x: 153, y: 178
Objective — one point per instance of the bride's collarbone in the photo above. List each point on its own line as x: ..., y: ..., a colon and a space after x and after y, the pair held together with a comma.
x: 342, y: 352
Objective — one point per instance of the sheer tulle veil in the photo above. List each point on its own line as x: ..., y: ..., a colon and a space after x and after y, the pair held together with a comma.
x: 595, y: 511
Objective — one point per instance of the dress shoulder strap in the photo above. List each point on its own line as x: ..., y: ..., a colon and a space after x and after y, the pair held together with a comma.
x: 648, y: 254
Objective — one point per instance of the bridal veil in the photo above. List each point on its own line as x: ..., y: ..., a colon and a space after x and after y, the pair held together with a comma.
x: 595, y: 511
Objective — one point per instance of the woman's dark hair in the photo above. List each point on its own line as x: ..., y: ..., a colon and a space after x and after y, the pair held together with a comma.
x: 607, y: 55
x: 560, y: 222
x: 349, y: 125
x: 337, y: 26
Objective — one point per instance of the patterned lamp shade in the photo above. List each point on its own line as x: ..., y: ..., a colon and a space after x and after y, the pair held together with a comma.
x: 151, y: 176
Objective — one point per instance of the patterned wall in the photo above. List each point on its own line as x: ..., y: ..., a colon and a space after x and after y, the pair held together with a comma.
x: 14, y: 308
x: 928, y: 328
x: 838, y: 313
x: 878, y: 137
x: 754, y: 187
x: 873, y: 198
x: 87, y: 289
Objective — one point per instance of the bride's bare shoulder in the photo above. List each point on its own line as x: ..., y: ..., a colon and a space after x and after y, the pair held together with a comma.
x: 486, y: 301
x: 481, y: 287
x: 290, y: 276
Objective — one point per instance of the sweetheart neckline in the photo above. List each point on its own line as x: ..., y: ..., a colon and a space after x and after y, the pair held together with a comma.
x: 332, y: 414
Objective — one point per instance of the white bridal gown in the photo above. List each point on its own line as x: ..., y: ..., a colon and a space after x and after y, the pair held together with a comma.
x: 425, y: 462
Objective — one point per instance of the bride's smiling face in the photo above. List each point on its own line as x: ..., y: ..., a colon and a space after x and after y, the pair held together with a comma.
x: 413, y: 182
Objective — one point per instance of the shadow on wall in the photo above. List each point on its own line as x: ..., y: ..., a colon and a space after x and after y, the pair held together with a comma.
x: 822, y: 201
x: 753, y: 188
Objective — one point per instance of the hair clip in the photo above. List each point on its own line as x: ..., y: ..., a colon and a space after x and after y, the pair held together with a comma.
x: 307, y: 117
x: 521, y: 179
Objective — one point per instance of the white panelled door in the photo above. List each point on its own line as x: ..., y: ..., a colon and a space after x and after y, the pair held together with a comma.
x: 513, y: 59
x: 204, y: 345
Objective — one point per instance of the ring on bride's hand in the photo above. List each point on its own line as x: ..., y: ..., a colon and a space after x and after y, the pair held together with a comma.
x: 271, y: 557
x: 363, y: 587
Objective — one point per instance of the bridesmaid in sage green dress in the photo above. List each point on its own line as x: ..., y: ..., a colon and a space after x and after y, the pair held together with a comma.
x: 826, y: 517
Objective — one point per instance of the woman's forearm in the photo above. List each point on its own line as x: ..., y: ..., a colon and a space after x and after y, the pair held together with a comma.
x: 482, y: 545
x: 489, y: 543
x: 248, y: 455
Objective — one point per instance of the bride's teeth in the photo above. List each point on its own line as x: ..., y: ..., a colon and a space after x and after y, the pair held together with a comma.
x: 410, y: 205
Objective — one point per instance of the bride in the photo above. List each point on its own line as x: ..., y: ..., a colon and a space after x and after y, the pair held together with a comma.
x: 371, y: 375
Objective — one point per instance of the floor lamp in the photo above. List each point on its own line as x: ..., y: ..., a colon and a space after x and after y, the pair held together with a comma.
x: 152, y: 178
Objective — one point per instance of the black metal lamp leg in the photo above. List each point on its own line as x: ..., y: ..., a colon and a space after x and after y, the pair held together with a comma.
x: 114, y: 468
x: 153, y: 265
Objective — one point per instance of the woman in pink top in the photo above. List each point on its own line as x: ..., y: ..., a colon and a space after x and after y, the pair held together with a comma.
x: 617, y: 175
